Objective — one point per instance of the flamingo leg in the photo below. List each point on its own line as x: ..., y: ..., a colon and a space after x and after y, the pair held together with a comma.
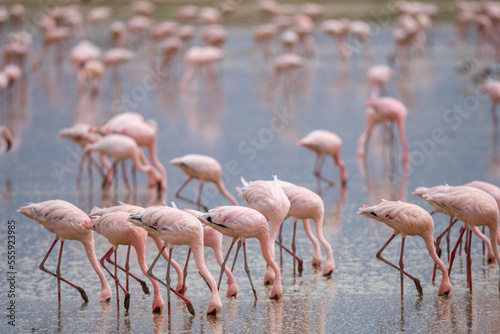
x: 294, y: 248
x: 236, y: 254
x: 42, y: 268
x: 299, y: 260
x: 247, y: 269
x: 117, y: 290
x: 178, y: 195
x: 126, y: 302
x: 144, y: 286
x: 318, y: 168
x: 185, y: 270
x: 459, y: 242
x: 150, y: 274
x: 167, y: 278
x: 114, y: 277
x: 223, y: 265
x: 469, y: 261
x: 438, y: 242
x: 198, y: 202
x: 379, y: 256
x: 401, y: 265
x: 124, y: 175
x: 280, y: 239
x: 80, y: 168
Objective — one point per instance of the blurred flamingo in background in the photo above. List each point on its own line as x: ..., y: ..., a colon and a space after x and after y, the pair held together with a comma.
x: 283, y: 67
x: 66, y: 221
x: 5, y: 139
x: 197, y: 58
x: 408, y: 219
x: 385, y: 110
x: 378, y: 76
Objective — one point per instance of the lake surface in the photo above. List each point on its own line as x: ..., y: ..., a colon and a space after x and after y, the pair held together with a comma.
x: 450, y: 134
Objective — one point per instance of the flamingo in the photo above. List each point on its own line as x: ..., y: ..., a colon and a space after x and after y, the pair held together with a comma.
x: 243, y: 223
x: 473, y: 207
x: 65, y: 221
x: 196, y: 58
x: 283, y: 64
x: 420, y: 192
x: 268, y: 198
x: 492, y: 89
x: 204, y: 169
x: 115, y: 227
x: 408, y: 219
x: 82, y: 135
x: 5, y: 139
x: 121, y: 147
x: 97, y: 212
x: 213, y: 239
x: 176, y: 227
x: 145, y: 133
x: 338, y: 29
x: 378, y: 76
x: 384, y: 110
x: 306, y: 204
x: 323, y: 143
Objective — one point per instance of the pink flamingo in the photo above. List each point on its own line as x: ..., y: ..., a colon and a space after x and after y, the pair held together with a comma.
x: 115, y: 227
x: 96, y: 212
x: 214, y: 35
x: 384, y: 110
x: 408, y: 219
x: 121, y: 147
x: 420, y: 192
x: 145, y: 133
x: 361, y: 31
x: 213, y: 239
x: 196, y: 58
x: 473, y: 207
x: 338, y: 29
x: 204, y: 169
x: 81, y: 53
x: 243, y: 223
x: 65, y: 221
x: 262, y: 38
x: 378, y: 76
x: 492, y: 89
x: 268, y: 198
x: 82, y: 135
x: 306, y: 204
x: 5, y: 139
x: 283, y: 65
x: 324, y: 143
x: 176, y: 227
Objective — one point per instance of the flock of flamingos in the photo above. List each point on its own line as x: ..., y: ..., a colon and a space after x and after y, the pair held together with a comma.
x: 270, y: 202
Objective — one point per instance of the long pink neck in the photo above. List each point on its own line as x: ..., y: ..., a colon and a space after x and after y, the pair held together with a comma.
x: 225, y: 192
x: 89, y: 249
x: 140, y: 249
x: 153, y: 154
x: 198, y: 254
x: 267, y: 253
x: 429, y: 243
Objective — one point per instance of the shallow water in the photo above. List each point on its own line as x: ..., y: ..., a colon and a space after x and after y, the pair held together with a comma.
x: 230, y: 120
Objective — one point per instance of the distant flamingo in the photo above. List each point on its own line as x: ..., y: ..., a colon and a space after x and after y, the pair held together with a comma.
x: 214, y: 35
x: 81, y: 53
x: 195, y: 59
x: 268, y: 198
x: 176, y: 227
x: 338, y: 29
x: 65, y: 221
x: 82, y: 135
x: 116, y: 57
x: 213, y: 239
x: 306, y: 204
x: 283, y: 66
x: 408, y: 219
x: 361, y: 31
x: 121, y: 147
x: 243, y: 223
x: 492, y: 89
x: 5, y: 139
x: 473, y: 207
x: 385, y: 110
x: 378, y: 76
x: 204, y: 169
x: 145, y: 133
x: 325, y: 143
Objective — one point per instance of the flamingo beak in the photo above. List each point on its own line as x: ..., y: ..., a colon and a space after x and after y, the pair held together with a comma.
x: 213, y: 312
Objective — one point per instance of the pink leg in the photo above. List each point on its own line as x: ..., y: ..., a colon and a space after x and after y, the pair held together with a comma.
x: 469, y: 261
x: 438, y: 242
x: 185, y: 270
x: 379, y: 256
x: 144, y: 286
x: 459, y: 242
x: 42, y: 268
x: 178, y: 195
x: 150, y: 274
x: 225, y: 261
x: 247, y: 269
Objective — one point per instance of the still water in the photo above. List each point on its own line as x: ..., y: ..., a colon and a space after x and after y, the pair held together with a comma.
x: 231, y: 120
